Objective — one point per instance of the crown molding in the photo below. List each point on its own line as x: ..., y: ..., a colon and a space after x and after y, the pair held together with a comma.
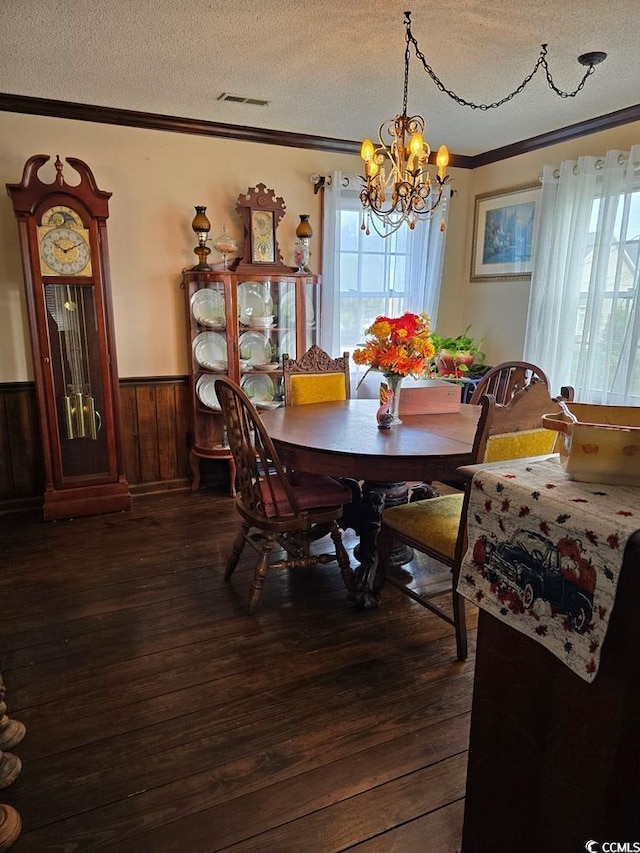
x: 176, y: 124
x: 173, y: 124
x: 562, y: 134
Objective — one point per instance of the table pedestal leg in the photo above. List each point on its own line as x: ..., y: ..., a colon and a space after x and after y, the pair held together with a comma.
x: 364, y: 516
x: 392, y: 494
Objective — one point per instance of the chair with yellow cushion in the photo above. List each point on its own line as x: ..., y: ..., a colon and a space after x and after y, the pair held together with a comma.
x: 436, y: 526
x: 315, y: 378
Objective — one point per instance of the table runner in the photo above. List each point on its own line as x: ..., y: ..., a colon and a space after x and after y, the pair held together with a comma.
x: 545, y: 553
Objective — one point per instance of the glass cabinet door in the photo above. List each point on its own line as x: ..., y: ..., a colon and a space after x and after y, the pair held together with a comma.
x: 266, y: 328
x: 210, y: 342
x: 311, y: 311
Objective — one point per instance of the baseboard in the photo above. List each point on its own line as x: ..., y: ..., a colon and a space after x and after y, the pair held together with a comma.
x: 13, y: 506
x: 180, y: 485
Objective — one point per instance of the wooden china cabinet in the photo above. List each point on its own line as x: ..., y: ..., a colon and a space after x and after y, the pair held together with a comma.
x: 240, y: 322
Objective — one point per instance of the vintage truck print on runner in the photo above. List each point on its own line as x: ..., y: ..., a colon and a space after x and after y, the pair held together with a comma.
x: 533, y: 566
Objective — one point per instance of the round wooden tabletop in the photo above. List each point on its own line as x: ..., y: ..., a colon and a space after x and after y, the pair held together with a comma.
x: 343, y: 439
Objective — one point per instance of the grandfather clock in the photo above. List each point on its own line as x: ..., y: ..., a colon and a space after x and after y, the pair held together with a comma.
x: 63, y: 240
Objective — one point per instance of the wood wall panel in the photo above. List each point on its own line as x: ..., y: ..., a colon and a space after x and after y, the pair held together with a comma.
x: 155, y: 426
x: 147, y: 433
x: 21, y: 474
x: 129, y: 434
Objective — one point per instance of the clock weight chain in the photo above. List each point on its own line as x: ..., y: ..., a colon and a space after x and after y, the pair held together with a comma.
x: 81, y: 418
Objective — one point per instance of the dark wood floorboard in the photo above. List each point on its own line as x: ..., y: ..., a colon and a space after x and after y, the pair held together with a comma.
x: 161, y: 718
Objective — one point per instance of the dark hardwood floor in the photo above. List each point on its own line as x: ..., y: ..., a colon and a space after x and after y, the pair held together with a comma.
x: 161, y: 718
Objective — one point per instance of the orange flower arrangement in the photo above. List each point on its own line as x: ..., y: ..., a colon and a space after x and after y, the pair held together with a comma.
x: 400, y: 345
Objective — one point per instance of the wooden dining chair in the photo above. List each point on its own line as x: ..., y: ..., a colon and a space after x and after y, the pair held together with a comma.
x: 505, y: 379
x: 276, y: 508
x: 315, y: 378
x: 436, y: 526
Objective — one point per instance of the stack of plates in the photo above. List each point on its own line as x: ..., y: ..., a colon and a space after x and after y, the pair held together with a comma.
x: 210, y: 351
x: 207, y: 393
x: 207, y: 306
x: 255, y: 306
x: 260, y: 390
x: 254, y: 348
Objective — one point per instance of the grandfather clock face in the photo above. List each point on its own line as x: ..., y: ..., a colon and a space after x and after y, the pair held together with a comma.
x: 63, y: 240
x: 64, y: 243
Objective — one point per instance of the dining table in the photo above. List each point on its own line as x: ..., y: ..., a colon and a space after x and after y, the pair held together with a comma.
x: 342, y: 439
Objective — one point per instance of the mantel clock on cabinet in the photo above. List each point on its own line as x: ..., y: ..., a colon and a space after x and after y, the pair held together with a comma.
x: 63, y: 241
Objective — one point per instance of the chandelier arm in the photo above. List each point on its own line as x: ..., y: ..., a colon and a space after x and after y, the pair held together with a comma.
x: 541, y: 62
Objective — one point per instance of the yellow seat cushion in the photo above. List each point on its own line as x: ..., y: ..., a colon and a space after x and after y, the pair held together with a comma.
x: 317, y: 388
x: 434, y: 521
x: 515, y: 445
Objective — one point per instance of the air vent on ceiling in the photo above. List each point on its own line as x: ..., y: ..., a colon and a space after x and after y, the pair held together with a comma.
x: 239, y: 99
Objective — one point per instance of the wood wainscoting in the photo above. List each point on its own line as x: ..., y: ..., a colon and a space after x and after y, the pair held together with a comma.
x: 155, y: 432
x: 155, y: 435
x: 21, y: 468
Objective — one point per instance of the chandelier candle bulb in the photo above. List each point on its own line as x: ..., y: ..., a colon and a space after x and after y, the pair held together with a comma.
x: 442, y: 161
x: 367, y: 150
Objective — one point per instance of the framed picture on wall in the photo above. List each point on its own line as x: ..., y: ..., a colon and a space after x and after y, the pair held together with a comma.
x: 503, y: 233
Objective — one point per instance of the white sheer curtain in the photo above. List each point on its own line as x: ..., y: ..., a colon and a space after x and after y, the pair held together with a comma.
x: 363, y: 276
x: 583, y: 325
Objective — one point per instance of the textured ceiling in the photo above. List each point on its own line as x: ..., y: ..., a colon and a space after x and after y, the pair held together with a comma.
x: 328, y: 67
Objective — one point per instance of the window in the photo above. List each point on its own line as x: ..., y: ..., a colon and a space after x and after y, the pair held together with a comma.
x: 367, y: 275
x: 583, y: 326
x: 606, y: 320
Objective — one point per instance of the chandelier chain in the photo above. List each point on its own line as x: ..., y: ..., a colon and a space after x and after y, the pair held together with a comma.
x: 542, y: 62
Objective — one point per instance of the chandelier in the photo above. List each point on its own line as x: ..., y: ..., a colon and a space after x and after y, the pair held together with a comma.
x: 398, y: 187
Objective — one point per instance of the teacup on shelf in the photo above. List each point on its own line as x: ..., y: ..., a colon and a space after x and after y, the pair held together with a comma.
x: 262, y: 322
x: 218, y: 366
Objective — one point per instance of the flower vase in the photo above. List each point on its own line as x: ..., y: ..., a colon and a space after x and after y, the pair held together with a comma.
x: 394, y: 381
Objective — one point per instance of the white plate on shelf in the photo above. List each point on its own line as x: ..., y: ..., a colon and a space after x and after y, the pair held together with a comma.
x: 267, y: 367
x: 287, y: 315
x: 205, y: 389
x: 308, y: 305
x: 288, y: 345
x: 210, y: 350
x: 258, y: 387
x: 207, y: 306
x: 254, y: 348
x: 288, y: 308
x: 268, y: 404
x: 254, y: 302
